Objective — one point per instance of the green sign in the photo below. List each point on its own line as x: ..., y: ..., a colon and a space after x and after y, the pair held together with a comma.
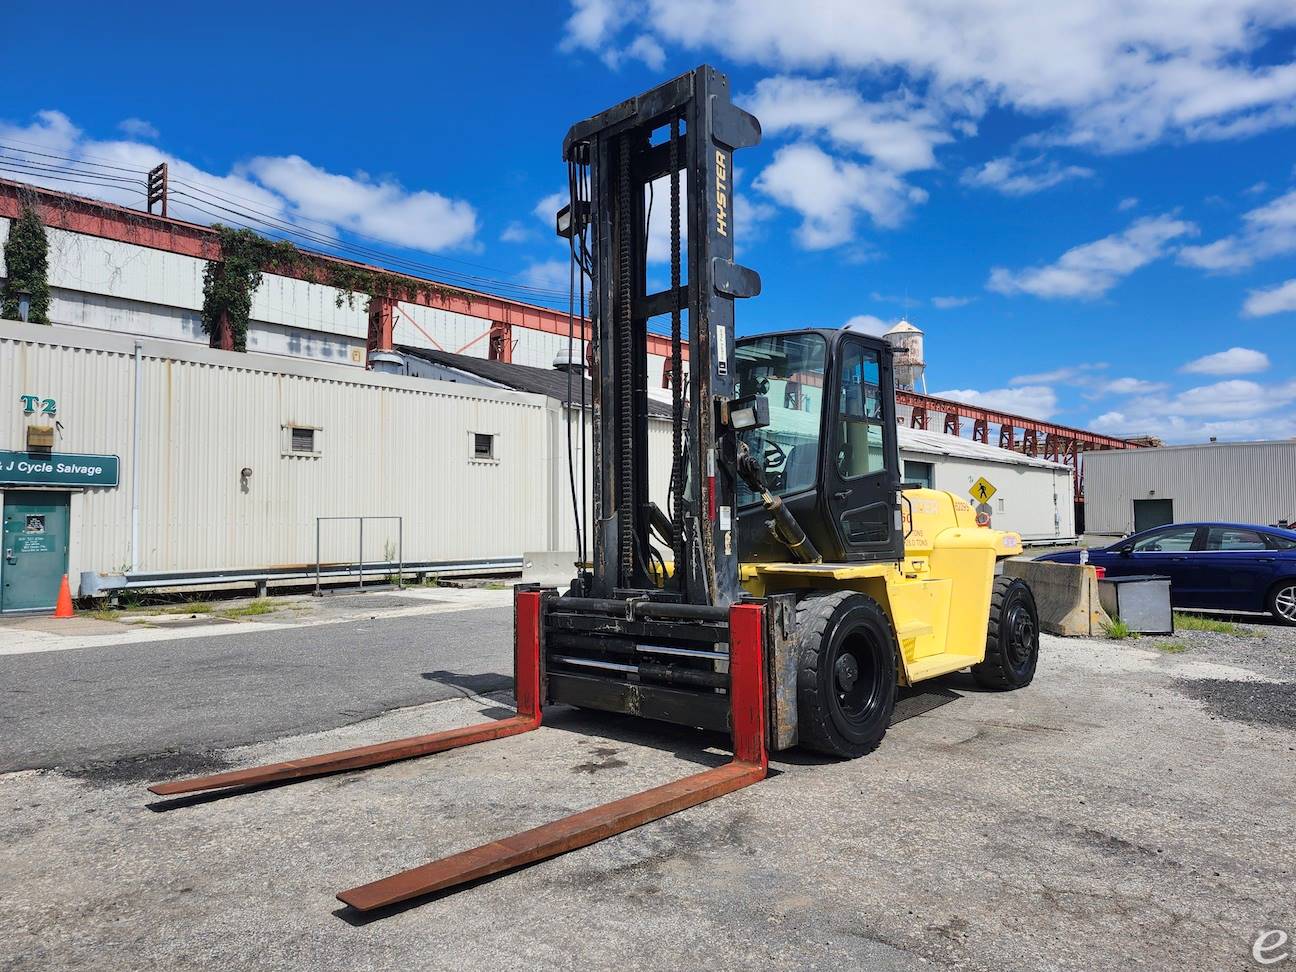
x: 57, y: 469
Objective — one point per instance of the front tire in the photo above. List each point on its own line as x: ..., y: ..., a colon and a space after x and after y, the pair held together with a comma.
x: 1012, y: 637
x: 846, y: 679
x: 1282, y: 602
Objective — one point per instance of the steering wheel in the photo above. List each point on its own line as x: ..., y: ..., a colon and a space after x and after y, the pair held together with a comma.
x: 774, y: 454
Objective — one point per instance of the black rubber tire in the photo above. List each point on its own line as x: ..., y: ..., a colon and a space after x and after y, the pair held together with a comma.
x: 1012, y: 637
x: 1282, y: 588
x: 846, y: 674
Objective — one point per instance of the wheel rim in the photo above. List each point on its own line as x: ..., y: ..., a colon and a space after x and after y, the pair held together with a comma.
x: 854, y: 679
x: 1285, y: 603
x: 1021, y: 636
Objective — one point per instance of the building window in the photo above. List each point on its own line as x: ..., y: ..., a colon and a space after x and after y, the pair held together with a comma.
x: 918, y: 472
x: 483, y: 446
x: 303, y: 440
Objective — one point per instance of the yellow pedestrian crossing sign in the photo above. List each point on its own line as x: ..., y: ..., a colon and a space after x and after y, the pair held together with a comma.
x: 982, y: 490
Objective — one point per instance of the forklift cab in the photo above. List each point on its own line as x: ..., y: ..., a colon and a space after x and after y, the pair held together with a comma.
x: 829, y: 450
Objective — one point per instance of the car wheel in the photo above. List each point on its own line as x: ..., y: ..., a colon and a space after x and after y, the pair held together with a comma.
x: 1282, y: 601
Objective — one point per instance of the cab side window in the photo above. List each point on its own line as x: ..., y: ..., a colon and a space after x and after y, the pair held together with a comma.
x: 859, y: 447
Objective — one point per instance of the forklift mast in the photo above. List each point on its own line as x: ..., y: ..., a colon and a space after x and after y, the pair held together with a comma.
x: 683, y: 132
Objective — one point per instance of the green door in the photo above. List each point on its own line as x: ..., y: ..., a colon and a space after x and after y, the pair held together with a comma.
x: 1149, y: 513
x: 35, y: 549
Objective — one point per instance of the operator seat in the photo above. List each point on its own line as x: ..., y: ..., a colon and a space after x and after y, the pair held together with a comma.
x: 799, y: 470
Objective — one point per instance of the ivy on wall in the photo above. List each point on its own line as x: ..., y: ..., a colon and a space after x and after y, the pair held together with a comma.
x: 26, y: 254
x: 230, y: 283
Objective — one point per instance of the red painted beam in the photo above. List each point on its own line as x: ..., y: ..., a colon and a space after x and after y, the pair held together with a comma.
x: 1092, y: 440
x: 78, y: 214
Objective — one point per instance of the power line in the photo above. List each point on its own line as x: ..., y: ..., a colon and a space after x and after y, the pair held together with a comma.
x: 85, y: 159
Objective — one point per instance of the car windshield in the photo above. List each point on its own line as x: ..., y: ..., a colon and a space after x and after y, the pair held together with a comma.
x: 789, y: 371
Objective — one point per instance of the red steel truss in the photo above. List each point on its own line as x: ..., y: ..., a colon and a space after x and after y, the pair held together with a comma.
x: 1032, y: 437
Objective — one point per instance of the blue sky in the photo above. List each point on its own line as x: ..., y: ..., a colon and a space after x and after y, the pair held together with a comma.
x: 1091, y: 212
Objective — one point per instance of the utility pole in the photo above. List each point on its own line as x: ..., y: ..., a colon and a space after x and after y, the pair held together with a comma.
x: 157, y: 187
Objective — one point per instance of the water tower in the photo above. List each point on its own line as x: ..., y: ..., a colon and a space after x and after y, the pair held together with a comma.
x: 909, y: 363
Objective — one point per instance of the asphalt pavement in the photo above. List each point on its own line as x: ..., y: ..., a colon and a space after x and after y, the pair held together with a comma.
x: 1129, y: 809
x: 187, y: 696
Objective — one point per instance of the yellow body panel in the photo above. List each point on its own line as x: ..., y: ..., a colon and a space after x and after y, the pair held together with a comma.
x: 938, y: 597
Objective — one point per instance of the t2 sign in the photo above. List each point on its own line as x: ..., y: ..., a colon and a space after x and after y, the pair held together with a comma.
x: 33, y: 403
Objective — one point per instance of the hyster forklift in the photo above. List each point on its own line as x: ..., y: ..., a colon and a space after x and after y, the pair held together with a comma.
x: 806, y: 583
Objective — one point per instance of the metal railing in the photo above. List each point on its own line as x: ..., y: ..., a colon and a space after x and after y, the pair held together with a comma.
x: 360, y: 561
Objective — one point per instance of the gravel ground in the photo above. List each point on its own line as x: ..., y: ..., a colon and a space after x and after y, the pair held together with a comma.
x: 1260, y: 645
x: 1103, y: 818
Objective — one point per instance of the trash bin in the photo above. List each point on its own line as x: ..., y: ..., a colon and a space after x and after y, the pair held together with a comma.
x: 1142, y: 602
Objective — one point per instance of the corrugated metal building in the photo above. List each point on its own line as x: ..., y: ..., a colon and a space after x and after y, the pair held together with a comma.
x: 239, y: 453
x: 1242, y: 482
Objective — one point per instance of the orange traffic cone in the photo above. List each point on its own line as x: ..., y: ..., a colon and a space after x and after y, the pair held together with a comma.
x: 64, y: 607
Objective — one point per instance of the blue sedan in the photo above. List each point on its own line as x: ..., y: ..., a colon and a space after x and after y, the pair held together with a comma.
x: 1218, y: 566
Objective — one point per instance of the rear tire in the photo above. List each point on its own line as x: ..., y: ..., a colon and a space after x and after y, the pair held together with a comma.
x: 1282, y: 602
x: 847, y: 671
x: 1012, y: 637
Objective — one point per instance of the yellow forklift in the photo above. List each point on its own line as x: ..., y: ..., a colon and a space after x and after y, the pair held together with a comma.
x: 806, y: 582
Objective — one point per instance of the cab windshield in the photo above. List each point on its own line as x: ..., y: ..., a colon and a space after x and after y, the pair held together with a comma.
x: 789, y: 371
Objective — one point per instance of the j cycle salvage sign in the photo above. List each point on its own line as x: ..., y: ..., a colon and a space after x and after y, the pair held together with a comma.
x: 57, y: 469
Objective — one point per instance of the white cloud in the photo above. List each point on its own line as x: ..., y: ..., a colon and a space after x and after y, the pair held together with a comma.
x: 1234, y: 361
x: 515, y: 232
x: 830, y: 193
x: 289, y: 189
x: 1131, y: 386
x: 1076, y: 374
x: 1030, y: 401
x: 897, y: 133
x: 548, y: 275
x: 1233, y: 409
x: 1119, y: 73
x: 383, y: 209
x: 1090, y: 270
x: 591, y: 23
x: 645, y: 48
x: 868, y: 324
x: 138, y: 128
x: 546, y: 209
x: 1267, y: 231
x: 1014, y: 177
x: 1273, y: 300
x: 1129, y: 202
x: 949, y: 303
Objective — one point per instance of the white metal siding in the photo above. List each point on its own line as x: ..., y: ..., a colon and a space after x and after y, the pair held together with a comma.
x: 388, y: 446
x: 1246, y: 482
x: 1035, y: 501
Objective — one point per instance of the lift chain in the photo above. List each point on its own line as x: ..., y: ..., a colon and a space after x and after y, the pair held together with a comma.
x: 677, y: 369
x: 625, y: 361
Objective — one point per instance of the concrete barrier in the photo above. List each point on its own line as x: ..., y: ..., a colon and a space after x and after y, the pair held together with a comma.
x: 556, y: 567
x: 1066, y: 596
